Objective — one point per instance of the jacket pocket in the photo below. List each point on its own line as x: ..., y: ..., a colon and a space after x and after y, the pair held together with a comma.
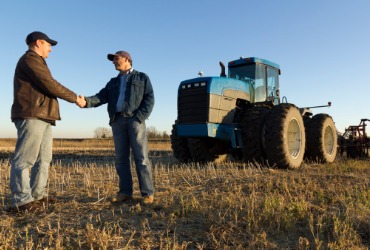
x: 137, y: 93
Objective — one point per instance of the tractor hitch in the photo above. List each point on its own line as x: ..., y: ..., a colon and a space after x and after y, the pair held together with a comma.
x: 321, y: 106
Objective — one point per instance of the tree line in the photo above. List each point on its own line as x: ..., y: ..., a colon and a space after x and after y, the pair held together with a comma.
x: 153, y: 133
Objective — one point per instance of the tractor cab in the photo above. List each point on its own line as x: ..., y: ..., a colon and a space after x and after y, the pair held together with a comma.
x: 261, y: 75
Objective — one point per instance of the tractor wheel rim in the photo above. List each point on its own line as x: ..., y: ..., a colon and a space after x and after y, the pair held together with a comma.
x: 294, y: 138
x: 329, y: 140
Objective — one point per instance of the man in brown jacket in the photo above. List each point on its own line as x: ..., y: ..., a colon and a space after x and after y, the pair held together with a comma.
x: 35, y: 109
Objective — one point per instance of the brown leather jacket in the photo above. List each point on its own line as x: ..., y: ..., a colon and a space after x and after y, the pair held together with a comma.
x: 36, y: 91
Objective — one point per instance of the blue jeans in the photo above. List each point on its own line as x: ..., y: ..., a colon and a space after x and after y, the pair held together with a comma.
x: 128, y: 133
x: 33, y: 151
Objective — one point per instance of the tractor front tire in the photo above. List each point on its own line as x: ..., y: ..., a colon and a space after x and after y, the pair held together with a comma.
x: 252, y: 126
x: 201, y: 150
x: 321, y: 139
x: 284, y: 137
x: 179, y: 146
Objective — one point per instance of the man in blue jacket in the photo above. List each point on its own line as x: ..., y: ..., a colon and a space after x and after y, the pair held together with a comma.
x: 130, y: 100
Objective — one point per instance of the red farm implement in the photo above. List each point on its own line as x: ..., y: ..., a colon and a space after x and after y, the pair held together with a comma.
x: 354, y: 142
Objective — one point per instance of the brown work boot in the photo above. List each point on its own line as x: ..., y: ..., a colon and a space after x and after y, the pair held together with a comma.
x: 29, y: 207
x: 147, y: 200
x: 48, y: 200
x: 121, y: 198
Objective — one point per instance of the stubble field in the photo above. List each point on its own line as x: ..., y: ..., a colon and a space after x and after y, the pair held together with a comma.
x: 213, y: 206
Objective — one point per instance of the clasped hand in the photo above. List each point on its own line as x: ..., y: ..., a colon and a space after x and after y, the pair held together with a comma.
x: 81, y: 102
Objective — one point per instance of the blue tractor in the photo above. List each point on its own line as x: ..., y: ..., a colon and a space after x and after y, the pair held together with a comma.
x: 241, y: 114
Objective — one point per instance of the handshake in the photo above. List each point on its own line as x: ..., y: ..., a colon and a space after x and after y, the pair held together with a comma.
x: 81, y: 102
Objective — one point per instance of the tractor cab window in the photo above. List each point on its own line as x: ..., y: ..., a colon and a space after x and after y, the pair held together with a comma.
x: 255, y: 76
x: 263, y: 81
x: 260, y: 85
x: 273, y: 85
x: 245, y: 73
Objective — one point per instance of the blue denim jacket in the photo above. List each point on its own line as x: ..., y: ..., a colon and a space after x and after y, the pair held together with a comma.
x: 139, y: 97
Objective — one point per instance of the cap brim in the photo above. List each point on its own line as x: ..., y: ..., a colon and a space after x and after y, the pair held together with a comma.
x: 52, y: 42
x: 111, y: 57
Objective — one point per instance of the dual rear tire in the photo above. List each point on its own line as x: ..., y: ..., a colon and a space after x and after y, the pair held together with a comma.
x: 321, y: 139
x: 283, y: 138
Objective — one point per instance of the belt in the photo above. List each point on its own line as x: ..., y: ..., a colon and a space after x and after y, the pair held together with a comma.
x: 122, y: 114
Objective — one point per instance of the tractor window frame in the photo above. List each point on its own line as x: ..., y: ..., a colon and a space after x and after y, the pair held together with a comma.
x: 272, y: 83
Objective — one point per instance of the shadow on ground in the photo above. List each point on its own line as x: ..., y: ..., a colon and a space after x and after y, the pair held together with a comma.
x: 103, y: 157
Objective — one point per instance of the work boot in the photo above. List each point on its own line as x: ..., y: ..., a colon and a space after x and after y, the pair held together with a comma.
x: 121, y: 198
x: 147, y: 200
x: 29, y: 207
x: 48, y: 200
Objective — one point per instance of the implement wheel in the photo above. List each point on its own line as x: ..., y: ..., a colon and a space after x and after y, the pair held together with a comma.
x: 321, y: 139
x: 356, y: 149
x: 285, y: 138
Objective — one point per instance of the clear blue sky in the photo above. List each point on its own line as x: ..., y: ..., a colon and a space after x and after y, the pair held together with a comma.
x: 322, y: 47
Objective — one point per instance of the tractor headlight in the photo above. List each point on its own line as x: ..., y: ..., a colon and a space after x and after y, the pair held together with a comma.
x: 193, y: 85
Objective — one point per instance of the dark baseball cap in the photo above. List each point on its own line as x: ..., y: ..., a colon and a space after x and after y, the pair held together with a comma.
x: 119, y: 53
x: 37, y: 35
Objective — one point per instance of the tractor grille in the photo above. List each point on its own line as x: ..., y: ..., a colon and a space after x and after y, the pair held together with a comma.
x: 192, y: 106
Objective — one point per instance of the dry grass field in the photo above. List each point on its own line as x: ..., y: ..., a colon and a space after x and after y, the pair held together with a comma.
x: 214, y: 206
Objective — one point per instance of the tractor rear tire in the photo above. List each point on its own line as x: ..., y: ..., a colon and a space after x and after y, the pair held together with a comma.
x: 284, y: 137
x: 321, y: 138
x: 179, y: 146
x: 252, y: 126
x: 201, y: 150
